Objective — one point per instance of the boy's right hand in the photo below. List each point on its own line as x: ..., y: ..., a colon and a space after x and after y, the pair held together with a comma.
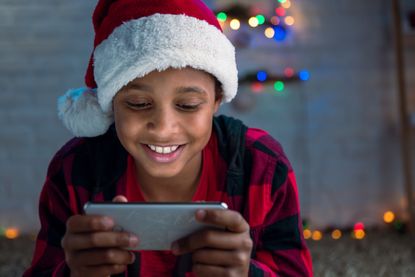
x: 92, y: 248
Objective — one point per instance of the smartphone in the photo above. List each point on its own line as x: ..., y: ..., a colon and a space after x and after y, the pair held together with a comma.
x: 157, y: 225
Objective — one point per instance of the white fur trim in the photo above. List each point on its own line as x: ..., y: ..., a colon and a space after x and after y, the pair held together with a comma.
x: 81, y: 113
x: 160, y: 41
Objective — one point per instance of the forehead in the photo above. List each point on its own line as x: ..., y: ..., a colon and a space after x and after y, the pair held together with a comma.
x: 186, y: 74
x: 178, y: 80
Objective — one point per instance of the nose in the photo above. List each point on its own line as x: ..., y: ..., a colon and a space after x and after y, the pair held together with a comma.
x: 162, y: 123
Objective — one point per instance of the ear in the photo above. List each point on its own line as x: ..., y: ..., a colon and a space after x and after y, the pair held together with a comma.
x: 217, y: 104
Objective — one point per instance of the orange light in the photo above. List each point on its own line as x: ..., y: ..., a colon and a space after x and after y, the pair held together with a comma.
x: 253, y: 22
x: 11, y: 233
x: 336, y: 234
x: 389, y: 217
x: 235, y: 24
x: 289, y: 20
x: 359, y: 234
x: 269, y: 32
x: 286, y: 4
x: 307, y: 233
x: 317, y: 235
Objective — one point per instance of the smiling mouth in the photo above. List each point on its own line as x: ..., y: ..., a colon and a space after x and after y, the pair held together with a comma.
x: 163, y: 149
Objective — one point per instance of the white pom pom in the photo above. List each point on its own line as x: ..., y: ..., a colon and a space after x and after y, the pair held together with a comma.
x: 81, y: 113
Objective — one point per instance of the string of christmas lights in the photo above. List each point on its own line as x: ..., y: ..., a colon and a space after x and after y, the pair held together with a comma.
x: 357, y: 232
x: 276, y: 27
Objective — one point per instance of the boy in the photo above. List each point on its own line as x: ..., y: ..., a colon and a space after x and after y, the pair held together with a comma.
x: 146, y: 131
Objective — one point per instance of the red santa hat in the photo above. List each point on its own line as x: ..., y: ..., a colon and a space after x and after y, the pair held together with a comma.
x: 136, y: 37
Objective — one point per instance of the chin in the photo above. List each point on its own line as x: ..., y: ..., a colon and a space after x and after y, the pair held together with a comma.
x: 160, y: 172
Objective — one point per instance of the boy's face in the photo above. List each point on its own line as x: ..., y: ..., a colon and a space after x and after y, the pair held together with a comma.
x: 164, y: 120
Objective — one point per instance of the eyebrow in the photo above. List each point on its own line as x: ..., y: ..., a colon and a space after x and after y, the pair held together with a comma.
x: 137, y: 86
x: 187, y: 89
x: 193, y: 89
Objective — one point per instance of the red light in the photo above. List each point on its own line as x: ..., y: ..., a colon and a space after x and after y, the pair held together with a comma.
x: 257, y: 87
x: 289, y: 72
x: 359, y: 226
x: 280, y: 11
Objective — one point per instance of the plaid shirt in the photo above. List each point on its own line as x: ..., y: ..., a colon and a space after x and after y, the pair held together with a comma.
x: 259, y: 183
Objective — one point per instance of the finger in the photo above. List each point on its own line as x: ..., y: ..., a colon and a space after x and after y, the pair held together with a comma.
x: 89, y: 223
x: 107, y: 256
x: 231, y: 220
x: 204, y: 270
x: 120, y: 198
x: 99, y: 240
x: 102, y: 270
x: 224, y: 258
x: 212, y: 238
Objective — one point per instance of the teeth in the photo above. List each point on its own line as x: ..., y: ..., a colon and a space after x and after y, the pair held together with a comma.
x: 163, y: 150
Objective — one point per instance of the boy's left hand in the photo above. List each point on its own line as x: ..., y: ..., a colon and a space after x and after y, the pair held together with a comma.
x: 218, y: 252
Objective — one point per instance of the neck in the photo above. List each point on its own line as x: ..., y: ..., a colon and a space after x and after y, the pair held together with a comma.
x: 179, y: 188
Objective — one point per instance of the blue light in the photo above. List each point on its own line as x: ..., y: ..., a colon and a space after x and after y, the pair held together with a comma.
x: 280, y: 33
x: 304, y: 75
x: 261, y: 76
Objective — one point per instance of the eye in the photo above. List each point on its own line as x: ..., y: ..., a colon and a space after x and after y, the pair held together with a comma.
x: 188, y: 107
x: 139, y: 106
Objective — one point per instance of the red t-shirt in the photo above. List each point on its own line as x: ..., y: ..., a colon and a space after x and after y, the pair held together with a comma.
x: 161, y: 263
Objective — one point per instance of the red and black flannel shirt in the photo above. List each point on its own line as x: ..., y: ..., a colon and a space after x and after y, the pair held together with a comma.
x: 259, y: 183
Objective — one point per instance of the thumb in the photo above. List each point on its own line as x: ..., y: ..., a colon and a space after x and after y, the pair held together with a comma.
x: 120, y: 198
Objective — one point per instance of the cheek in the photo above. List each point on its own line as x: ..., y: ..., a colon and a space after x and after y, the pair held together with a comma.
x: 125, y: 124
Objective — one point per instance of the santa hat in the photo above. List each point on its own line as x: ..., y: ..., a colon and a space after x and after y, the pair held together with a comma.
x: 136, y: 37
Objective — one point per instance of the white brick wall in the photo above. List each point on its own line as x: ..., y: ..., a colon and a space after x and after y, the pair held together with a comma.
x: 340, y: 129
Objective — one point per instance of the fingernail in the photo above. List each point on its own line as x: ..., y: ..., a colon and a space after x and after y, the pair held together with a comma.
x: 132, y: 257
x: 201, y: 214
x: 175, y: 248
x: 133, y: 240
x: 107, y: 222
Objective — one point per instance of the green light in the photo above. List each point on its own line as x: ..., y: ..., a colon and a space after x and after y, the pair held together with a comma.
x: 305, y: 224
x: 398, y: 225
x: 2, y: 231
x: 261, y: 19
x: 222, y: 16
x: 279, y: 86
x: 282, y: 1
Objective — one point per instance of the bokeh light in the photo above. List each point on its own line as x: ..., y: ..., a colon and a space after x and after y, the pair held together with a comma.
x: 359, y: 234
x: 222, y: 16
x: 235, y: 24
x: 253, y: 22
x: 261, y: 19
x: 279, y: 86
x: 269, y: 32
x: 359, y: 226
x: 288, y: 72
x: 280, y: 11
x: 275, y: 20
x: 261, y: 76
x: 286, y: 4
x: 257, y: 87
x: 317, y: 235
x: 11, y: 233
x: 289, y: 20
x: 280, y: 33
x: 336, y: 234
x: 304, y: 75
x: 388, y: 217
x: 307, y: 233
